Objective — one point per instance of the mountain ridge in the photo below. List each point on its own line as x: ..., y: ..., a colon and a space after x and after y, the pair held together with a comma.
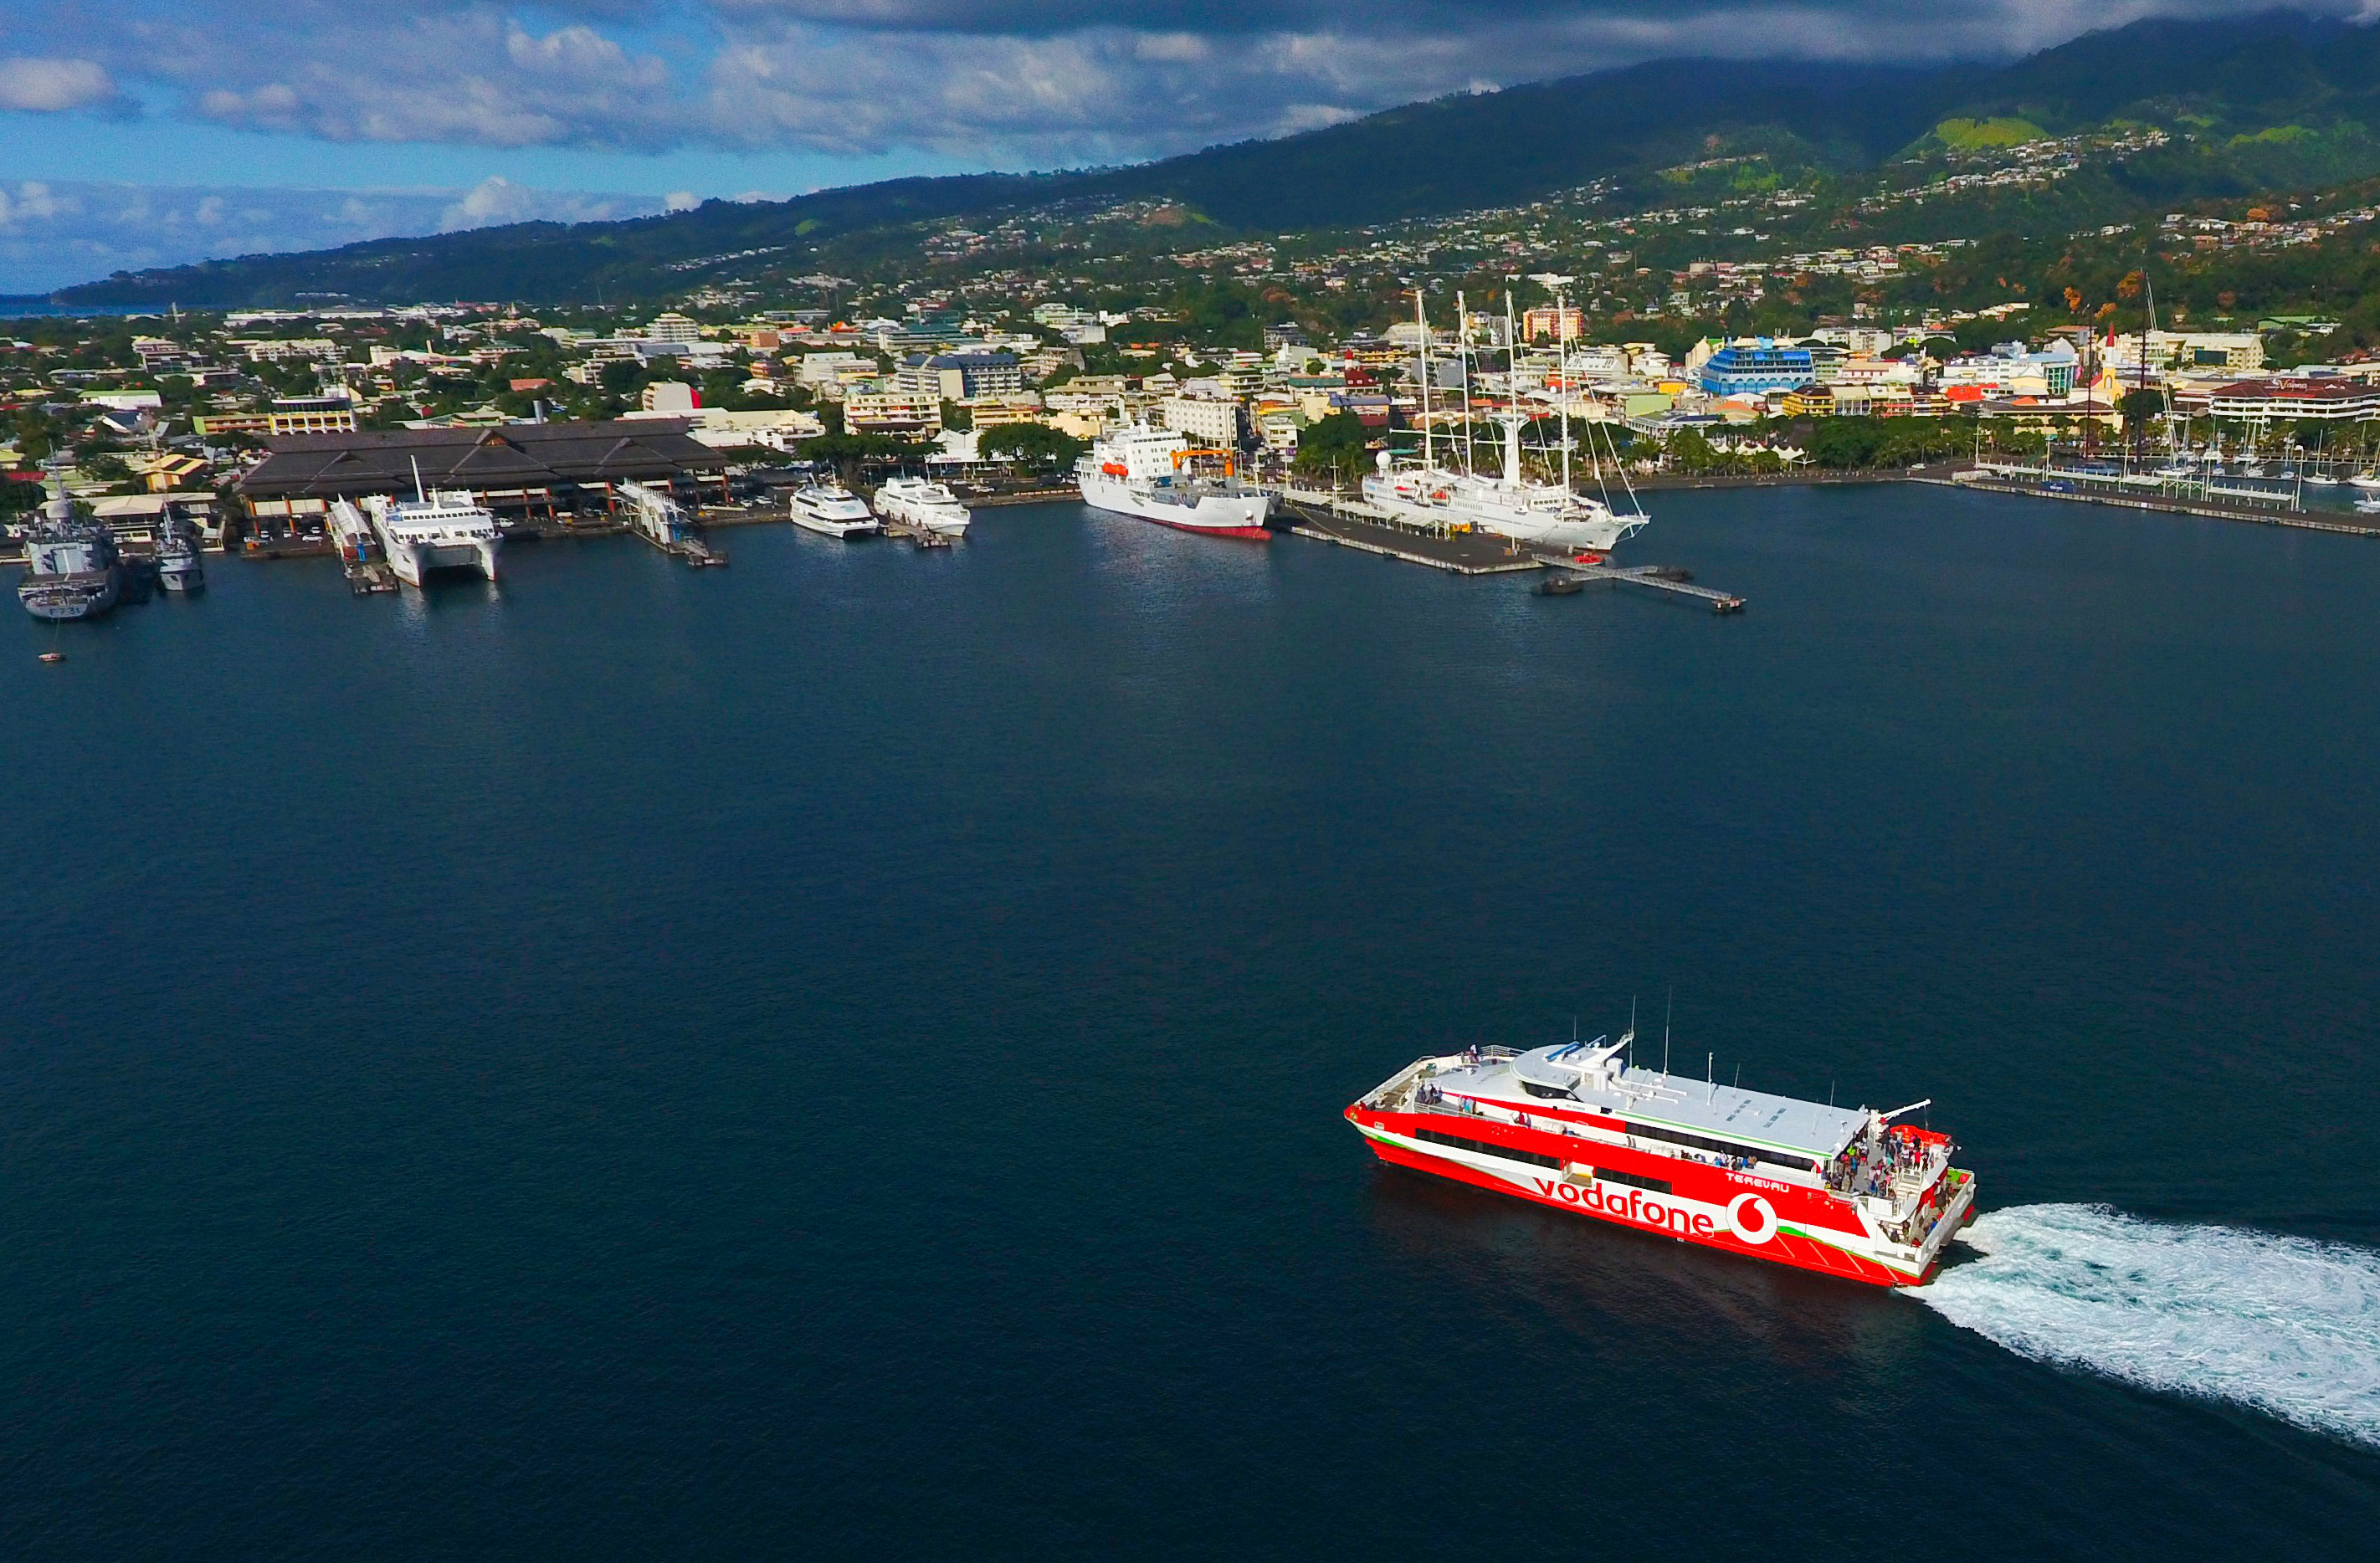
x: 2265, y: 98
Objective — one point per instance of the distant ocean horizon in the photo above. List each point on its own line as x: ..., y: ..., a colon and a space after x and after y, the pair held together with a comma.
x: 42, y: 305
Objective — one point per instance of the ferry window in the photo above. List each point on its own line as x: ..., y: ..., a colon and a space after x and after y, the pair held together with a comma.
x: 1551, y: 1093
x: 1485, y: 1147
x: 1722, y: 1147
x: 1651, y: 1185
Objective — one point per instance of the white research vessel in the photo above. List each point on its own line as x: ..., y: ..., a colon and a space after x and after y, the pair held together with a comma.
x: 437, y: 529
x: 832, y: 510
x: 1507, y: 504
x: 1149, y: 472
x: 919, y: 501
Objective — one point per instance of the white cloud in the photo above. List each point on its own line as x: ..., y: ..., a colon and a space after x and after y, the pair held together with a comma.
x: 39, y: 85
x: 681, y: 201
x: 1005, y: 82
x: 34, y: 202
x: 497, y: 200
x: 59, y: 233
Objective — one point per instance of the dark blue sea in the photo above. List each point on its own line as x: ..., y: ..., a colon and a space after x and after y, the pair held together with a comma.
x: 842, y: 1056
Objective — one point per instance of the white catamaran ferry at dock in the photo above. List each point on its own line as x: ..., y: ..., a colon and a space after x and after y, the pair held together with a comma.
x: 437, y: 529
x: 1846, y: 1191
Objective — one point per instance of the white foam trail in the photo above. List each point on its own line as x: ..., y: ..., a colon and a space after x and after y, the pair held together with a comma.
x: 2286, y: 1324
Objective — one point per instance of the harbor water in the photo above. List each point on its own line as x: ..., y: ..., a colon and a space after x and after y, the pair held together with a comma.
x: 842, y: 1057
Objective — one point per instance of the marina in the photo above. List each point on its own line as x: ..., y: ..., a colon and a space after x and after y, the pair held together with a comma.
x: 2224, y: 505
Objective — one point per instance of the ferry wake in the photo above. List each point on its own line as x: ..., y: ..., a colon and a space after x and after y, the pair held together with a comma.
x: 1847, y: 1191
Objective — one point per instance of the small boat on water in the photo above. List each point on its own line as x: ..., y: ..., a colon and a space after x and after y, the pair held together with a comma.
x: 1845, y: 1192
x: 54, y: 656
x: 922, y: 503
x: 832, y: 510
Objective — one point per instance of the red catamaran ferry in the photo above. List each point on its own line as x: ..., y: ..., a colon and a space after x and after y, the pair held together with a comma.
x: 1844, y: 1190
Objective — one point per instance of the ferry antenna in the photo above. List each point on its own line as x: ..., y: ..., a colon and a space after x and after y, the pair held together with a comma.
x: 1668, y: 1011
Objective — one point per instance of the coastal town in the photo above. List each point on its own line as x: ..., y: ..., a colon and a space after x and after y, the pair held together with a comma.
x: 1711, y: 336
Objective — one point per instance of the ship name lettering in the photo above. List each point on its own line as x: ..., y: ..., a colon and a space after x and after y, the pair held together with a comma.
x: 1635, y: 1206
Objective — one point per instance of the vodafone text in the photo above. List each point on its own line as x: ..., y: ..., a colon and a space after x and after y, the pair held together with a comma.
x: 1749, y: 1218
x: 1635, y: 1206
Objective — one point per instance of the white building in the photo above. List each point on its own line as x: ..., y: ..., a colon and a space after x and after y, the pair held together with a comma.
x: 826, y: 368
x: 1217, y: 423
x: 671, y: 326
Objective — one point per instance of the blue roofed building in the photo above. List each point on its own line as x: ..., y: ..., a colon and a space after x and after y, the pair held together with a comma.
x: 1754, y: 367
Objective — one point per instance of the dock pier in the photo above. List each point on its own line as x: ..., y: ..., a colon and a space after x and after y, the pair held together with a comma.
x: 368, y: 576
x: 662, y: 522
x: 2220, y: 501
x: 1657, y: 577
x: 924, y: 537
x: 1351, y: 523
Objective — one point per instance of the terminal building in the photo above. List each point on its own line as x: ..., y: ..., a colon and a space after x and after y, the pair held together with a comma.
x: 526, y: 470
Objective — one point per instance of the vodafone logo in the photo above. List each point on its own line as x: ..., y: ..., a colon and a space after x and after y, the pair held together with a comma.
x: 1751, y: 1218
x: 1748, y: 1217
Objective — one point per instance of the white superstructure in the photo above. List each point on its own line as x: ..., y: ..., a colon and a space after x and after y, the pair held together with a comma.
x: 1507, y: 504
x: 1151, y: 473
x: 919, y: 501
x: 440, y: 529
x: 831, y: 510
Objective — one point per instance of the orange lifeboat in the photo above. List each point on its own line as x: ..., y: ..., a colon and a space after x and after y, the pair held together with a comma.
x: 1114, y: 469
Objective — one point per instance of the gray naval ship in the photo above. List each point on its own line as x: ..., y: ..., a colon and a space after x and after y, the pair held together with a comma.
x: 72, y: 570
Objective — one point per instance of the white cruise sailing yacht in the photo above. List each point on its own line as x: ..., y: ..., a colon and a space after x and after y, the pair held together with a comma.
x: 832, y: 510
x: 919, y: 501
x: 1508, y: 503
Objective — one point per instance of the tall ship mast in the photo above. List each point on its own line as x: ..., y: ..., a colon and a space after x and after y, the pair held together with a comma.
x: 1846, y: 1191
x: 1509, y: 504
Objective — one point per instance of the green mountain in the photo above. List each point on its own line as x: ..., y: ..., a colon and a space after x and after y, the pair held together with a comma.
x: 2272, y: 102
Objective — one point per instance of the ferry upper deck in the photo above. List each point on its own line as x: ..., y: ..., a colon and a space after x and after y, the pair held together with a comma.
x: 1591, y: 1090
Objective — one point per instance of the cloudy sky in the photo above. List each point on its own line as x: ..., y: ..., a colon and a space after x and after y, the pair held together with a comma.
x: 145, y: 132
